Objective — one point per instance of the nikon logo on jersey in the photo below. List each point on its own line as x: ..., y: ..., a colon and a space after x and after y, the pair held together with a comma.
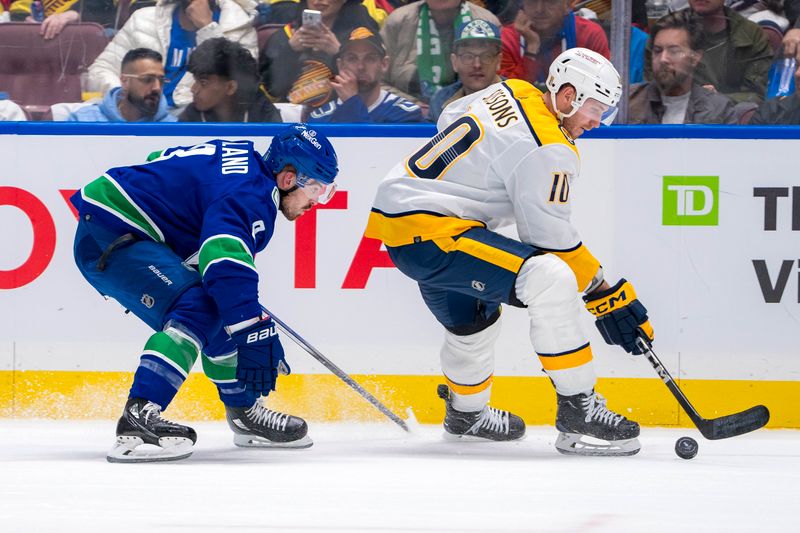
x: 690, y: 201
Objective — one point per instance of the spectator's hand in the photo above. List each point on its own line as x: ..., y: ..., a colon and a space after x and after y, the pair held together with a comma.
x: 345, y: 84
x: 296, y: 41
x: 52, y: 25
x: 199, y: 12
x: 791, y: 43
x: 525, y: 28
x: 320, y: 39
x: 710, y: 88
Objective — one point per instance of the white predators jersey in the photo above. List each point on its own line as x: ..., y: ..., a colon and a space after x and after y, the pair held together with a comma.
x: 500, y: 158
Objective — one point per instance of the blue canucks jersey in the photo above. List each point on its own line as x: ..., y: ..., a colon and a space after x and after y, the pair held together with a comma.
x: 389, y: 108
x: 214, y: 203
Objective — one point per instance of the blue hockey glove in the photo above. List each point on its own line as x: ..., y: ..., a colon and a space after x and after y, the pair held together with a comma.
x: 261, y: 356
x: 619, y: 316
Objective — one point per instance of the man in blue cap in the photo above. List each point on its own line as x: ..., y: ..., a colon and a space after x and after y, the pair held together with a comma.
x: 475, y: 58
x: 174, y: 241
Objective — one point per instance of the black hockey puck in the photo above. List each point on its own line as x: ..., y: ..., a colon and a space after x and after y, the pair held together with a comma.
x: 686, y: 447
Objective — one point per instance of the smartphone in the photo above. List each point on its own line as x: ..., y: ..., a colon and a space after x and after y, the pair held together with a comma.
x: 312, y: 17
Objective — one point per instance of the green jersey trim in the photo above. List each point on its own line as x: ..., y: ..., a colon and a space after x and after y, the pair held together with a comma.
x: 218, y: 248
x: 107, y: 194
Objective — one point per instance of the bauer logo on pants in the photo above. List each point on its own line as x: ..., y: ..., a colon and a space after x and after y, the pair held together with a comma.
x: 690, y: 201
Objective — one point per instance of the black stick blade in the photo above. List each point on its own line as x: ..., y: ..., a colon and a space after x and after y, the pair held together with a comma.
x: 736, y: 424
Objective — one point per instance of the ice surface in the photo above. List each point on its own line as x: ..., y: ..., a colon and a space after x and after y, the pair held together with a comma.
x: 373, y: 477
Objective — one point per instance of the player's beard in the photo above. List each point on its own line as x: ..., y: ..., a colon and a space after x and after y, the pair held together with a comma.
x: 146, y: 105
x: 291, y: 209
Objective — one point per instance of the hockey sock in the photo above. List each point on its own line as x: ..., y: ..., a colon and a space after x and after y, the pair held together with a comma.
x: 222, y: 372
x: 166, y: 361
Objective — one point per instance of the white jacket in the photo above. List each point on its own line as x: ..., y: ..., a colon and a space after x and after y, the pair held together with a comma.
x: 150, y: 27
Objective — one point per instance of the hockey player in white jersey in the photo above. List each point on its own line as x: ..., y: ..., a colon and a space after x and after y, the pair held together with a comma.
x: 503, y: 156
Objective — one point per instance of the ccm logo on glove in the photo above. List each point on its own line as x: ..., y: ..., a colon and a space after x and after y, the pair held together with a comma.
x: 620, y: 316
x: 265, y: 333
x: 612, y: 302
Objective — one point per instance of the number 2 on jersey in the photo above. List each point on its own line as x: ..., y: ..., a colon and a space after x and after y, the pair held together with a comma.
x: 443, y: 150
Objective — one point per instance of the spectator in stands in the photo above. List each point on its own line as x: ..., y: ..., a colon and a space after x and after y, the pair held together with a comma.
x: 736, y: 53
x: 475, y: 58
x: 784, y: 110
x: 140, y: 98
x: 9, y: 111
x: 674, y: 97
x: 427, y: 26
x: 225, y: 86
x: 57, y: 14
x: 362, y: 63
x: 542, y: 30
x: 298, y: 63
x: 173, y: 28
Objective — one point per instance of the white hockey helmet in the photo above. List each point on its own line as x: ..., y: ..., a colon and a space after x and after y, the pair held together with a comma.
x: 592, y: 76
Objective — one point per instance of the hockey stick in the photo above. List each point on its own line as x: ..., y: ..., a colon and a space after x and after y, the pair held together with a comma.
x: 711, y: 428
x: 338, y: 372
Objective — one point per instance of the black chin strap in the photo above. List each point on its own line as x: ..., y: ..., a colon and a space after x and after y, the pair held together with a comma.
x: 284, y: 194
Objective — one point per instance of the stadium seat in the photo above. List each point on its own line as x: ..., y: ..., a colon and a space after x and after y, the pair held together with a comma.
x: 264, y: 32
x: 37, y: 72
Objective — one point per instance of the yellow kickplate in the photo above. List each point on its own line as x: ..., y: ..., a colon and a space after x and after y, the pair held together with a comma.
x: 323, y: 397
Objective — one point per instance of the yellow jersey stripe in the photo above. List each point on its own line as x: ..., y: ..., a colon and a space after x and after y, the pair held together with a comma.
x: 583, y: 264
x: 567, y: 360
x: 540, y: 120
x: 469, y: 389
x: 414, y: 227
x: 482, y: 251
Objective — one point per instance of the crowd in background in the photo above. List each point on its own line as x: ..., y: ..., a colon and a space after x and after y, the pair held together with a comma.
x: 390, y: 61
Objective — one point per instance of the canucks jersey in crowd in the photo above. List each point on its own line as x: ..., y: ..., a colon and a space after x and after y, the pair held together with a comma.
x: 389, y: 108
x: 216, y: 202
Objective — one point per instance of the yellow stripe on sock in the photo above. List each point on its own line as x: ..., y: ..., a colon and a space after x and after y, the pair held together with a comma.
x: 469, y: 389
x: 563, y: 361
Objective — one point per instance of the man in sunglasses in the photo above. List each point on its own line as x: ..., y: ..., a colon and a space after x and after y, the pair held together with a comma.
x: 174, y: 241
x: 140, y: 96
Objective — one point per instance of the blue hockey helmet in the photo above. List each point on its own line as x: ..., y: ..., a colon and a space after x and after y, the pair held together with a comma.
x: 307, y: 150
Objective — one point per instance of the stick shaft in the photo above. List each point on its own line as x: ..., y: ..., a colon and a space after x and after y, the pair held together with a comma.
x: 335, y: 370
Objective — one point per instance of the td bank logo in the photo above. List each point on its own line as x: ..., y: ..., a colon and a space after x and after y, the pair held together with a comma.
x: 690, y: 201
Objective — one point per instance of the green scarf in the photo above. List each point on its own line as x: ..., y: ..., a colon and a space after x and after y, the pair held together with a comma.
x: 433, y: 56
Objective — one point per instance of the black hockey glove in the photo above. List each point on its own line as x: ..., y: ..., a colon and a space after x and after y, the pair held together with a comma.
x: 261, y: 356
x: 619, y: 316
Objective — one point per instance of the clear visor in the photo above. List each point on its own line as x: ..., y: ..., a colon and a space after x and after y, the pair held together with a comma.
x: 315, y: 190
x: 595, y: 110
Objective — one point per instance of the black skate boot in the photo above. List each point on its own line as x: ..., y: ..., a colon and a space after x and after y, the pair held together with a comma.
x: 141, y: 423
x: 259, y: 427
x: 586, y: 415
x: 488, y: 423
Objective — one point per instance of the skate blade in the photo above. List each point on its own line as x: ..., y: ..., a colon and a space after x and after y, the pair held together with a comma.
x: 134, y: 450
x: 254, y: 441
x: 577, y: 444
x: 474, y: 438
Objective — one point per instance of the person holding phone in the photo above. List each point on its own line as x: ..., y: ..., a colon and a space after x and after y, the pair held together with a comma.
x: 298, y: 62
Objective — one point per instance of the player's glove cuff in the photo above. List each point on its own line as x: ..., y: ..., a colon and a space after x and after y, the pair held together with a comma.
x: 260, y: 356
x: 619, y: 315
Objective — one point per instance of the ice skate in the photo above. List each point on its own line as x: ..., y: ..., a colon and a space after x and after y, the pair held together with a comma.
x: 259, y: 427
x: 487, y: 424
x: 144, y: 437
x: 588, y: 428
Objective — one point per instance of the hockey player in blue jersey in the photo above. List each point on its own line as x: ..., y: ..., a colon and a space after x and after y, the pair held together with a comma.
x: 174, y: 241
x: 362, y: 62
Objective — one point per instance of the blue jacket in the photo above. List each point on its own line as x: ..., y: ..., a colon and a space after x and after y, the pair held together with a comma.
x: 108, y: 110
x: 389, y: 109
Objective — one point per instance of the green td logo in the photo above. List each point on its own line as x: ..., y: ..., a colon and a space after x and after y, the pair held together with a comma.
x: 690, y: 201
